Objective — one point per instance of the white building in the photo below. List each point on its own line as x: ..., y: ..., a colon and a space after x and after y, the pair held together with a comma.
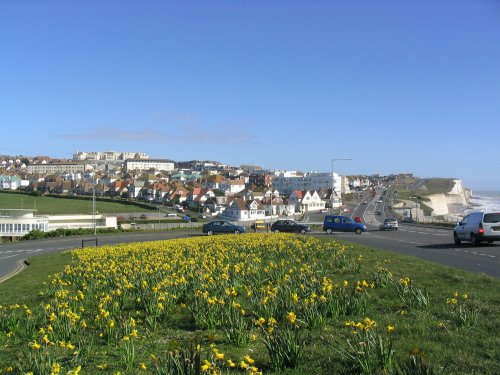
x: 240, y: 210
x: 19, y: 222
x: 10, y: 182
x: 306, y: 201
x: 232, y: 186
x: 145, y: 164
x: 309, y: 181
x: 109, y: 155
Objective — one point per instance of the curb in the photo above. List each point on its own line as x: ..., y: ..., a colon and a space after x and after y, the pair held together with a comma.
x: 20, y: 265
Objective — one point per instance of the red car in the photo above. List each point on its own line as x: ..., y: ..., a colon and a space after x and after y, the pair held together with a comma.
x: 357, y: 219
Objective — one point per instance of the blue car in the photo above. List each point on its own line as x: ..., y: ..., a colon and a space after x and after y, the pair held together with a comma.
x: 335, y: 223
x: 222, y: 226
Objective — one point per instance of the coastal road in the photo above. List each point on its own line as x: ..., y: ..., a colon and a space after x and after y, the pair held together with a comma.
x: 425, y: 242
x: 432, y: 244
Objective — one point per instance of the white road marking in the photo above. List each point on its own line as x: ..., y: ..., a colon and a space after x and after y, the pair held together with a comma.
x: 9, y: 256
x: 411, y: 242
x: 34, y: 251
x: 475, y: 253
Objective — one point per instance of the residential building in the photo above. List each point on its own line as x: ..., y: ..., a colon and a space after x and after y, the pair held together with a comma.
x: 11, y: 182
x: 58, y: 168
x: 212, y: 182
x: 279, y: 206
x: 260, y: 179
x: 108, y: 155
x: 198, y: 196
x: 286, y: 183
x: 232, y: 186
x: 146, y: 164
x: 241, y: 210
x: 306, y: 201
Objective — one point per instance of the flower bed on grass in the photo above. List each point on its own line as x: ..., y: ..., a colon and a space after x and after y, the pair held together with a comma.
x: 256, y: 303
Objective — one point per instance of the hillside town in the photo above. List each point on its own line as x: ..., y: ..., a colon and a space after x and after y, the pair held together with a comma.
x: 212, y: 188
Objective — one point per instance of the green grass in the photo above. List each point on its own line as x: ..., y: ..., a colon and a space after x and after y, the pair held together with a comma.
x: 431, y: 331
x: 25, y: 287
x: 63, y: 206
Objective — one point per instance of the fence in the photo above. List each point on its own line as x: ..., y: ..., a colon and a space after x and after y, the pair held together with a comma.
x: 162, y: 226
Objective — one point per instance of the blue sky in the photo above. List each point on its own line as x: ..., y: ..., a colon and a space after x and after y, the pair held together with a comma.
x: 398, y: 86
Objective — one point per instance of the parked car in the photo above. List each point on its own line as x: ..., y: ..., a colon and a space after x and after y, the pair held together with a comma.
x: 477, y: 227
x: 222, y: 226
x: 342, y: 224
x: 289, y: 226
x: 389, y: 224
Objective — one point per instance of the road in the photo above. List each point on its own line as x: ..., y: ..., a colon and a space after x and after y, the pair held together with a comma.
x: 433, y: 244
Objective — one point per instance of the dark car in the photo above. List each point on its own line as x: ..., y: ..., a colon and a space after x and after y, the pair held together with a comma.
x: 289, y: 226
x: 342, y: 224
x: 222, y: 226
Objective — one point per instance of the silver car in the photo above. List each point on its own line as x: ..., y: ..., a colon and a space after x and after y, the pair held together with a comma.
x: 389, y: 224
x: 478, y: 227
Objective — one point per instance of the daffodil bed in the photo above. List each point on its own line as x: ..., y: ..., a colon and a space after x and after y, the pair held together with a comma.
x: 255, y: 303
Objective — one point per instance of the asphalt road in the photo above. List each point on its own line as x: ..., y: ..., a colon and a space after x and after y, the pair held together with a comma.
x: 433, y: 244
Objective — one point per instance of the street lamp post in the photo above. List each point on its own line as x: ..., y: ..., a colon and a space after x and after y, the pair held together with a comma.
x: 93, y: 202
x: 333, y: 185
x: 416, y: 212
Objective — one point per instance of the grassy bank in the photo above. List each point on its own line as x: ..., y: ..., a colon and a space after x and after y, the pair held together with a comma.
x: 270, y: 303
x: 66, y: 205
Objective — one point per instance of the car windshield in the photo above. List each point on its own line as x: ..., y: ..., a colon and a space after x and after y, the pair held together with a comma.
x: 492, y: 218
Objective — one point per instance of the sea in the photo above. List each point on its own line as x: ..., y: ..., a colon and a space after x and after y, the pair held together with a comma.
x: 486, y: 200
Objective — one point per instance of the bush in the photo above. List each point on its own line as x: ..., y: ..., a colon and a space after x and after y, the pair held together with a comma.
x: 61, y: 232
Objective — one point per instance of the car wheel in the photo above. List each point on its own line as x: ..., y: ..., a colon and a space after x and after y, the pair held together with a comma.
x: 358, y: 231
x: 237, y: 231
x: 302, y: 231
x: 456, y: 239
x: 276, y: 231
x: 474, y: 239
x: 381, y: 228
x: 329, y: 231
x: 210, y: 232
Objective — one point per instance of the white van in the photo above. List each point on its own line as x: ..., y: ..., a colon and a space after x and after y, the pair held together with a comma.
x: 478, y: 227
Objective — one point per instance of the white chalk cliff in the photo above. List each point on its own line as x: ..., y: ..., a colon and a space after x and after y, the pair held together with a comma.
x: 452, y: 203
